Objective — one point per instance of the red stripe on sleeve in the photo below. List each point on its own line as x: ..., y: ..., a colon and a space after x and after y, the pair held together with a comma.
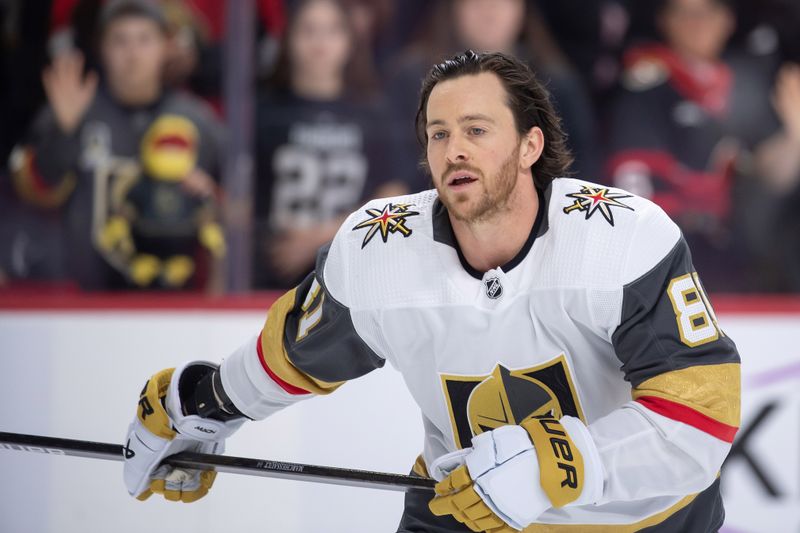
x: 687, y: 415
x: 288, y: 387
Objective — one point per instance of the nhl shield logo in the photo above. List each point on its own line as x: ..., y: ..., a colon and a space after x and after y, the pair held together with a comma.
x: 494, y: 289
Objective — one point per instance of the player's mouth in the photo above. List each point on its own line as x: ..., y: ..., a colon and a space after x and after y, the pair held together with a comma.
x: 461, y: 179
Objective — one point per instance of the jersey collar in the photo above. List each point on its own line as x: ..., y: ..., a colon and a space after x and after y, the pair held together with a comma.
x: 443, y: 233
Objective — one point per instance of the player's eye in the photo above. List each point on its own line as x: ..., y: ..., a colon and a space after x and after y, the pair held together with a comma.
x: 477, y: 131
x: 438, y: 135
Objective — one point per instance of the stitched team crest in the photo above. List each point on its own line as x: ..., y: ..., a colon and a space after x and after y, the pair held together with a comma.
x: 597, y: 199
x: 483, y: 403
x: 390, y: 219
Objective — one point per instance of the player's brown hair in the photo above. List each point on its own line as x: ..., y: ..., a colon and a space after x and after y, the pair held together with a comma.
x: 528, y: 99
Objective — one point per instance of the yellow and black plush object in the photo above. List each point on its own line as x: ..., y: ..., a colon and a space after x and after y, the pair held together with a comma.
x: 158, y: 230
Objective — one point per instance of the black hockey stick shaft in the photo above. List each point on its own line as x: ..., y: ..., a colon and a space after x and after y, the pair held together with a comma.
x: 220, y: 463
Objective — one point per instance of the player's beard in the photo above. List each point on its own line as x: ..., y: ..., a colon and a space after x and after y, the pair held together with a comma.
x: 493, y: 199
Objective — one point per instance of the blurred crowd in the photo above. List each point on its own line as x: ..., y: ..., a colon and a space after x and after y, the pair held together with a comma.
x: 113, y: 137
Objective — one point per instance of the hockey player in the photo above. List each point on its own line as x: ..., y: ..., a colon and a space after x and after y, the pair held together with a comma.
x: 566, y: 360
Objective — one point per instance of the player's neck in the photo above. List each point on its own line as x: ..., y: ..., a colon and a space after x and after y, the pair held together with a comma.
x: 491, y: 243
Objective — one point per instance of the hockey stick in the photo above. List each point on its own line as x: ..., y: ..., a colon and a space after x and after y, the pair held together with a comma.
x: 220, y: 463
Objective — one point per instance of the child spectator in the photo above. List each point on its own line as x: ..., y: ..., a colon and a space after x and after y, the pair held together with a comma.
x: 127, y: 162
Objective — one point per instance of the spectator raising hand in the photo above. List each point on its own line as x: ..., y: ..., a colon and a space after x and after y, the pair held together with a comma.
x: 127, y: 165
x: 674, y: 133
x: 68, y: 90
x: 778, y: 159
x: 778, y: 162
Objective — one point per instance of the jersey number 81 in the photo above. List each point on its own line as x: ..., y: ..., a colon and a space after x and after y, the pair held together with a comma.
x: 697, y: 323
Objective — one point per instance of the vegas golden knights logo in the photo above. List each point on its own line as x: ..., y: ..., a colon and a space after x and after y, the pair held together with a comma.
x: 484, y: 403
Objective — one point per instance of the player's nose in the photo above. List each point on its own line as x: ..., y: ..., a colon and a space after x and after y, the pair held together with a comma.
x: 457, y: 151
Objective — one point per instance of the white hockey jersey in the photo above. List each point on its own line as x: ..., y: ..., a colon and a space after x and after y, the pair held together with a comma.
x: 599, y: 316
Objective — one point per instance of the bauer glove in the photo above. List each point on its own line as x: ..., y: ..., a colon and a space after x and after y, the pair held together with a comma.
x: 512, y: 474
x: 162, y: 428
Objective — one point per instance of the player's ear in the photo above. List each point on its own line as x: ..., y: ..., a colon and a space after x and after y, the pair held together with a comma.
x: 531, y: 147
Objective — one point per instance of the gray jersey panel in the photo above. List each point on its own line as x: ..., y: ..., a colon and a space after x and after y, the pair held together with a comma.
x: 649, y: 339
x: 332, y: 351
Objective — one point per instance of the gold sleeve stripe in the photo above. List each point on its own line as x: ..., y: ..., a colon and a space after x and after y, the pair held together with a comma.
x: 275, y: 360
x: 711, y: 390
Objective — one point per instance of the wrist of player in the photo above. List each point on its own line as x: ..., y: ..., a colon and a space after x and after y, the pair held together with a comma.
x: 515, y: 473
x: 179, y: 410
x: 570, y: 469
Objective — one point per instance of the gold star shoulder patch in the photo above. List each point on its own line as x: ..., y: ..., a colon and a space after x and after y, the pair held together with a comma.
x: 391, y: 219
x: 591, y: 200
